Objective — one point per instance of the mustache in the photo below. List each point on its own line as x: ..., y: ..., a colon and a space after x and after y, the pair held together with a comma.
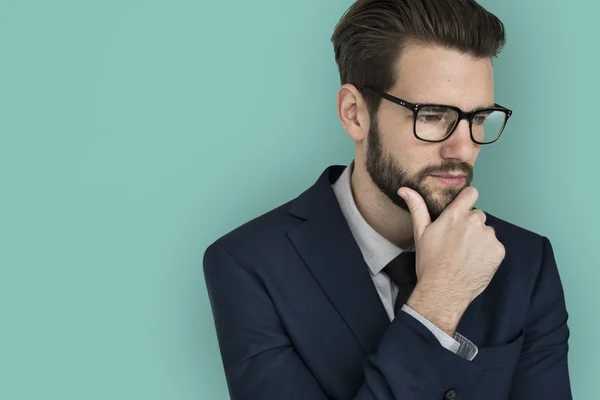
x: 448, y: 166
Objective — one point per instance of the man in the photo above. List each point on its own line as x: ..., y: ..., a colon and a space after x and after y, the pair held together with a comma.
x: 382, y: 281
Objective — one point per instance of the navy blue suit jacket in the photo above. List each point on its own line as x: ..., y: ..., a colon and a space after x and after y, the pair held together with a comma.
x: 298, y: 317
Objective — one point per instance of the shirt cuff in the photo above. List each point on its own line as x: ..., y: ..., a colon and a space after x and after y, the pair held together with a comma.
x: 458, y: 344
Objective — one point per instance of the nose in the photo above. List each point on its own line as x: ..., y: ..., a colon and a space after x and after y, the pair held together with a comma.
x: 459, y: 145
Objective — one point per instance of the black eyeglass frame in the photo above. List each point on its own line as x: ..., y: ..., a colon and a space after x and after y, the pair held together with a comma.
x: 461, y: 115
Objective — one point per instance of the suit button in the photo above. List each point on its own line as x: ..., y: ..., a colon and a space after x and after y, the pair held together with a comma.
x: 450, y: 395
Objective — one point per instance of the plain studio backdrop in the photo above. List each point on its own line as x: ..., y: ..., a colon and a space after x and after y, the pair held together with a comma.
x: 134, y: 133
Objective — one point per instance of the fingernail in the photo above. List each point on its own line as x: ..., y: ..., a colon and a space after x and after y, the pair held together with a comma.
x: 403, y: 194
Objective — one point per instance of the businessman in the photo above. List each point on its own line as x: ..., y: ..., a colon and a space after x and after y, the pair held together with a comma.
x: 382, y: 280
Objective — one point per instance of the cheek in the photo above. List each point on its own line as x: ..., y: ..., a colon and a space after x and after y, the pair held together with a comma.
x: 408, y: 152
x: 419, y: 155
x: 398, y: 139
x: 395, y: 126
x: 412, y: 157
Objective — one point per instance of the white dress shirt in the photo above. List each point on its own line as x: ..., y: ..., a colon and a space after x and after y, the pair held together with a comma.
x: 378, y: 252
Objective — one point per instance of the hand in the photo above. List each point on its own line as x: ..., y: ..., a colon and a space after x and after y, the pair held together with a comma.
x: 457, y: 256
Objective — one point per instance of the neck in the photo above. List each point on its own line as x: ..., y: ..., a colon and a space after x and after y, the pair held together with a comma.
x: 386, y: 218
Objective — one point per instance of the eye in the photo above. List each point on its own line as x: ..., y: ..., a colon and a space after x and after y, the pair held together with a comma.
x: 430, y: 118
x: 479, y: 119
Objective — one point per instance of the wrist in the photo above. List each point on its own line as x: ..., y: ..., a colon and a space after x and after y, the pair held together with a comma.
x: 442, y: 310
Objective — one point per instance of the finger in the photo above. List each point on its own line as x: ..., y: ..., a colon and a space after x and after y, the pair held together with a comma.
x: 491, y: 230
x: 465, y: 201
x: 418, y: 211
x: 482, y: 216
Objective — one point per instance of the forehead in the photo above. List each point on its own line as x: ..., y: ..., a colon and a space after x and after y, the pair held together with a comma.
x: 433, y: 74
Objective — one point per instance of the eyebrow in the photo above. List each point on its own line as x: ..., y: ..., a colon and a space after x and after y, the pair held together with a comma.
x: 436, y: 108
x: 493, y: 105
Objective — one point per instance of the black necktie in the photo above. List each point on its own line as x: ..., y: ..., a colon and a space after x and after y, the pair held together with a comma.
x: 402, y: 271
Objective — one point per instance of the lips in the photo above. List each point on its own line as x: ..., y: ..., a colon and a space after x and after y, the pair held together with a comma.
x: 449, y: 176
x: 450, y: 180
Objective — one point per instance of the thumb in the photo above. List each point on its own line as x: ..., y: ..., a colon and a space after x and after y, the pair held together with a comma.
x: 418, y: 210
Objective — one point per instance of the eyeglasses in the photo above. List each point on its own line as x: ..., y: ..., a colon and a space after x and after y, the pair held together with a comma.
x: 435, y: 123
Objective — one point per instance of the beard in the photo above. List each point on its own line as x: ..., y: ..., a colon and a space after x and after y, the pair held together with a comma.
x: 389, y: 176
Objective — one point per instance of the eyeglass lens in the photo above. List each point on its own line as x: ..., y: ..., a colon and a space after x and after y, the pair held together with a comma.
x: 436, y: 123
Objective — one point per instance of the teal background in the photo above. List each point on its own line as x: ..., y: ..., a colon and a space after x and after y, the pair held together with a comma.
x: 134, y: 133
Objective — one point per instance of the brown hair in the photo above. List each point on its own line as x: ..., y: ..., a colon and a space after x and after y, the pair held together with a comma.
x: 370, y: 36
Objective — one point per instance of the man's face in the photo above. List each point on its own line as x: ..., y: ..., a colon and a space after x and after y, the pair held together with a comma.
x: 395, y: 158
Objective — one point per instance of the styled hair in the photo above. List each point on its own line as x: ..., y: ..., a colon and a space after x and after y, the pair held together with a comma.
x: 370, y: 36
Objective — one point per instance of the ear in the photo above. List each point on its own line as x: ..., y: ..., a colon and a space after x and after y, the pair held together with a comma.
x: 353, y: 112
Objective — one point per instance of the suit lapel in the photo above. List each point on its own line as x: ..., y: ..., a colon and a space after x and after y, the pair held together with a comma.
x: 327, y: 247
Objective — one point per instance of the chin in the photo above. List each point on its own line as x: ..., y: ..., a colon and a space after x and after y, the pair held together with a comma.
x: 439, y: 198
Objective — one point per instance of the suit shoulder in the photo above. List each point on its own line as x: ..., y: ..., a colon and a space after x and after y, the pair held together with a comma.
x: 508, y: 230
x: 266, y: 231
x: 524, y: 247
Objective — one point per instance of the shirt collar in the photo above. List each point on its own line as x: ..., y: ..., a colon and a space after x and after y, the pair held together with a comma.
x: 376, y: 250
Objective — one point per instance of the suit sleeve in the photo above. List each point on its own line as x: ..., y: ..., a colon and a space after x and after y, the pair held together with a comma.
x: 261, y: 362
x: 542, y: 371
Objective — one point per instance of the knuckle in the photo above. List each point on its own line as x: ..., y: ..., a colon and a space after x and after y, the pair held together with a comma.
x: 500, y: 257
x: 501, y: 250
x: 490, y: 230
x: 482, y: 215
x: 475, y: 218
